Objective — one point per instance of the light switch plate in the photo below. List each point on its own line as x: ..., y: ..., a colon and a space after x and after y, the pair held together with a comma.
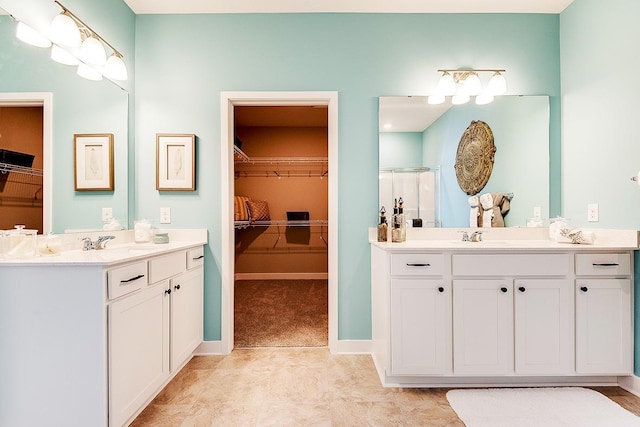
x: 592, y: 212
x: 107, y: 214
x: 165, y: 215
x: 537, y: 212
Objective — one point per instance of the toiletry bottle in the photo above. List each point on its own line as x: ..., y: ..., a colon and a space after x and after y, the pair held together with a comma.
x: 382, y: 226
x: 398, y: 230
x: 402, y: 225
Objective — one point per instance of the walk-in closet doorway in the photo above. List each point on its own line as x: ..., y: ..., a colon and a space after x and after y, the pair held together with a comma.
x: 229, y: 102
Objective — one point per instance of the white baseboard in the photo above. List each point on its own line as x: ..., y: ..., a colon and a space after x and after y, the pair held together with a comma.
x: 281, y: 276
x: 630, y: 383
x: 209, y: 348
x: 353, y: 347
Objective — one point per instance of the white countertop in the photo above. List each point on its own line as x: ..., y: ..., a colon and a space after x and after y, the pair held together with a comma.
x: 121, y: 249
x: 506, y: 239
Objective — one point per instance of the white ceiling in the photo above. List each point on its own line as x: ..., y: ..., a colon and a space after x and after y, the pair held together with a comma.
x: 355, y: 6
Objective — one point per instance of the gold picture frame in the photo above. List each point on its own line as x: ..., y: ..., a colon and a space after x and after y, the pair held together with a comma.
x: 93, y: 161
x: 175, y: 162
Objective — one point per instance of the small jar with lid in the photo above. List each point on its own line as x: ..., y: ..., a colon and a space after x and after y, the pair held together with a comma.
x: 20, y: 242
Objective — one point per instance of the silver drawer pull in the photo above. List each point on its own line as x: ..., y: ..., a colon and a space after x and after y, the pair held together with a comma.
x: 139, y: 276
x: 605, y: 264
x: 418, y: 265
x: 198, y: 257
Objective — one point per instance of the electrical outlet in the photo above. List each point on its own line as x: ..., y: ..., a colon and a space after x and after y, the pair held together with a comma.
x: 592, y: 212
x: 537, y: 212
x: 107, y: 214
x: 165, y: 215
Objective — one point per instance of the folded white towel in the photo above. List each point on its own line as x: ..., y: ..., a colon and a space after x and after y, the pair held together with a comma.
x: 473, y: 215
x: 487, y: 204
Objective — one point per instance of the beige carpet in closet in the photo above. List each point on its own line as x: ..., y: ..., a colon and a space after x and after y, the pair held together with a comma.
x: 280, y: 313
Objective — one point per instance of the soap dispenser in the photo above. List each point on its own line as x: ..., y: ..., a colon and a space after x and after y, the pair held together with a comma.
x: 382, y: 226
x: 399, y: 230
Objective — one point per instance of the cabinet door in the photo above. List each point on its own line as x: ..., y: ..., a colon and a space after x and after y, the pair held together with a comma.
x: 483, y: 327
x: 603, y: 326
x: 544, y: 338
x: 186, y: 315
x: 138, y: 349
x: 420, y: 327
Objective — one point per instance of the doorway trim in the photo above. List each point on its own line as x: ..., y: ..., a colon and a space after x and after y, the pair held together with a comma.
x: 228, y: 100
x: 45, y: 100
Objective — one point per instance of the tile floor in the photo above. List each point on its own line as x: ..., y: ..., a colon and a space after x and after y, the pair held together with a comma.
x: 301, y: 387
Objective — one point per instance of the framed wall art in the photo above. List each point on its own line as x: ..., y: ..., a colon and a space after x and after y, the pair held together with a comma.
x: 93, y: 162
x: 175, y: 162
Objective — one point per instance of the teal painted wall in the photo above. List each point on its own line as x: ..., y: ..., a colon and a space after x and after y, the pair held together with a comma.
x: 600, y: 112
x: 79, y: 105
x: 400, y: 149
x: 520, y: 127
x: 183, y: 62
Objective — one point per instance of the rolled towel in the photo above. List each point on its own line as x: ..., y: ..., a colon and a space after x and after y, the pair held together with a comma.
x: 475, y: 212
x: 486, y: 200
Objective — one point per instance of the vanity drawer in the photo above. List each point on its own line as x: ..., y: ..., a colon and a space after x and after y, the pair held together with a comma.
x: 498, y: 264
x: 126, y: 279
x: 417, y: 264
x: 195, y: 258
x: 603, y: 264
x: 163, y: 267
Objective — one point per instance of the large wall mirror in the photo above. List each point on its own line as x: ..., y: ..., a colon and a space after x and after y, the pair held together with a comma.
x: 414, y: 134
x: 77, y: 106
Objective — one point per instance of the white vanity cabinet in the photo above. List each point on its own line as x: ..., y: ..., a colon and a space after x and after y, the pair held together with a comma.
x: 138, y: 348
x: 152, y: 333
x: 420, y: 313
x: 603, y: 313
x: 513, y: 313
x: 462, y: 316
x: 90, y: 338
x: 483, y: 325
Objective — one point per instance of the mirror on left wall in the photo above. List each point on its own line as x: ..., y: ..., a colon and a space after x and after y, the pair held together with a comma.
x: 34, y: 89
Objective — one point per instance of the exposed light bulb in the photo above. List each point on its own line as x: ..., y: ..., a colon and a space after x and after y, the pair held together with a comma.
x: 460, y: 99
x: 497, y: 84
x: 446, y: 85
x: 65, y: 32
x: 63, y: 56
x: 484, y: 98
x: 89, y: 72
x: 92, y: 52
x: 30, y: 36
x: 435, y: 99
x: 472, y: 85
x: 115, y: 69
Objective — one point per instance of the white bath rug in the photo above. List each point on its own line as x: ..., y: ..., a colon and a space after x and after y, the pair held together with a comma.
x: 543, y: 407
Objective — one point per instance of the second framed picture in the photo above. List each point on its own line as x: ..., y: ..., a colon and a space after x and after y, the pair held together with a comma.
x: 175, y: 162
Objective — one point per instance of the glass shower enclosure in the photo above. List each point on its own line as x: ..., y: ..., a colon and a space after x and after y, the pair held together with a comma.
x: 419, y: 189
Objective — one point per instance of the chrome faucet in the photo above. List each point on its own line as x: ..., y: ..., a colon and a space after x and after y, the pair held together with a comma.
x: 88, y: 245
x: 465, y: 236
x: 476, y: 236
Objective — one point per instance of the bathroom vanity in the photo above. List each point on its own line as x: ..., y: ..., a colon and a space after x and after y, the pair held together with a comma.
x: 88, y: 338
x: 524, y: 311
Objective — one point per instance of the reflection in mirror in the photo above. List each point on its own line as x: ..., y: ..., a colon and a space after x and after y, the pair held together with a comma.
x: 31, y: 83
x: 414, y: 134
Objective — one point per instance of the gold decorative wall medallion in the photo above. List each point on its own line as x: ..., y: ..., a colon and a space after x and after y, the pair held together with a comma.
x: 475, y: 156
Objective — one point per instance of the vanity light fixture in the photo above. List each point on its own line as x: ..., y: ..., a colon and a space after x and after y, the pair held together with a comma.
x: 75, y: 43
x: 30, y: 36
x: 464, y: 83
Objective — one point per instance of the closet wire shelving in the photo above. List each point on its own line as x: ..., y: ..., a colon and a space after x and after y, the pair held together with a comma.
x: 20, y: 185
x: 281, y: 167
